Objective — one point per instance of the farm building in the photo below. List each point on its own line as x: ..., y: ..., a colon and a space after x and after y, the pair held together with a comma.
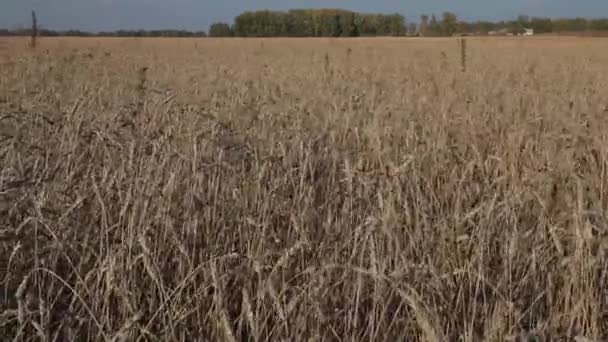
x: 528, y: 32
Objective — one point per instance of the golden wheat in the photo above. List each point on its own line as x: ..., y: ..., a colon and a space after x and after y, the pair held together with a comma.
x: 278, y: 189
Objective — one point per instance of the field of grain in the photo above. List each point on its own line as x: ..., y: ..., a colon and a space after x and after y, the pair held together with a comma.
x: 304, y: 189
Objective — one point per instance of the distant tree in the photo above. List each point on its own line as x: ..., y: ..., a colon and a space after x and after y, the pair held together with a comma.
x: 342, y: 23
x: 354, y: 31
x: 220, y: 30
x: 368, y: 24
x: 263, y: 24
x: 412, y: 29
x: 395, y: 24
x: 244, y: 25
x: 434, y: 28
x: 570, y: 25
x: 300, y: 23
x: 449, y: 23
x: 328, y: 23
x: 75, y: 33
x: 42, y: 32
x: 424, y: 24
x: 598, y: 24
x: 523, y: 20
x: 336, y: 28
x: 465, y: 27
x: 541, y: 25
x: 347, y: 25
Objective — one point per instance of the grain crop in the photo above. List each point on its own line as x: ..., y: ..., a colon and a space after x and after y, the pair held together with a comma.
x: 304, y: 189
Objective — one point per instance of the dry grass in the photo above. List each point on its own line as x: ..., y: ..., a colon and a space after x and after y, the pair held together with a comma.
x: 303, y: 189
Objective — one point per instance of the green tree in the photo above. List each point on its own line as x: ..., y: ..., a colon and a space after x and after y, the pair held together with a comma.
x: 396, y: 25
x: 449, y: 23
x: 598, y: 24
x: 515, y: 27
x: 523, y: 20
x: 484, y: 27
x: 412, y: 30
x: 347, y: 24
x: 434, y: 28
x: 300, y: 23
x: 220, y: 30
x: 367, y: 24
x: 541, y: 25
x: 424, y: 24
x: 328, y: 24
x: 570, y: 25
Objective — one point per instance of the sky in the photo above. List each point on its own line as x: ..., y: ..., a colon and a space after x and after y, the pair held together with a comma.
x: 96, y: 15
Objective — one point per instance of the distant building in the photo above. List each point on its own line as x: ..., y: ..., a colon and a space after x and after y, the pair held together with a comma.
x: 528, y: 32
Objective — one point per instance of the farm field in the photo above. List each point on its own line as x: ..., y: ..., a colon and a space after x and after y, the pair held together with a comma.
x: 304, y: 189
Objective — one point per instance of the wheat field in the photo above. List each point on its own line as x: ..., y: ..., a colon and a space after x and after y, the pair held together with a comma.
x: 304, y: 189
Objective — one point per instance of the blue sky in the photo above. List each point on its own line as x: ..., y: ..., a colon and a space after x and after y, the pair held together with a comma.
x: 198, y: 14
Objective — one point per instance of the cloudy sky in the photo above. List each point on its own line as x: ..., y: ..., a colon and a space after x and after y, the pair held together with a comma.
x: 198, y: 14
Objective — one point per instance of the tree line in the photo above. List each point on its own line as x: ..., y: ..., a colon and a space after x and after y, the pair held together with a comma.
x: 345, y: 23
x: 119, y: 33
x: 539, y: 24
x: 317, y: 23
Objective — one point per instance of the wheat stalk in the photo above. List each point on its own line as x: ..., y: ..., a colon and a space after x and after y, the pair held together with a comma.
x: 463, y: 54
x: 34, y: 30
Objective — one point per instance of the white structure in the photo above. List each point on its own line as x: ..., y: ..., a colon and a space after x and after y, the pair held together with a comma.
x: 528, y: 32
